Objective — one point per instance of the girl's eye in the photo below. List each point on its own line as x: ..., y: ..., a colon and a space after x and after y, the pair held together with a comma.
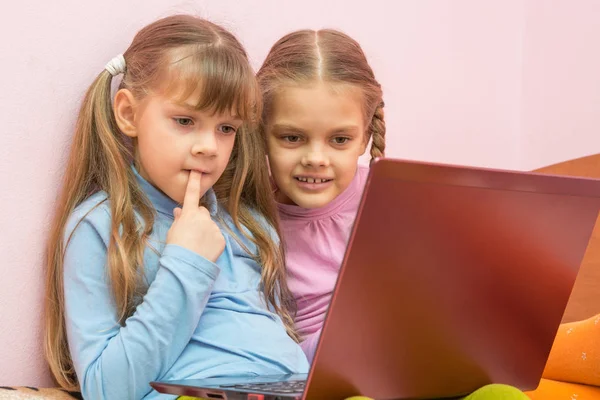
x: 228, y: 129
x: 341, y: 140
x: 291, y: 138
x: 184, y: 121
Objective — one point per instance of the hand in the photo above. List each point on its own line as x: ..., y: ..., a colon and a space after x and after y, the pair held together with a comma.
x: 193, y: 228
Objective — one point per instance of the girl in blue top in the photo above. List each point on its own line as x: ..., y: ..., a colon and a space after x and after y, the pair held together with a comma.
x: 164, y: 260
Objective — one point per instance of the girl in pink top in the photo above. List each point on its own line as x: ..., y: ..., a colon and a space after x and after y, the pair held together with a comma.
x: 322, y: 106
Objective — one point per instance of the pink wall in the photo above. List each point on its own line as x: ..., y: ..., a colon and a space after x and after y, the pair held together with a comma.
x: 466, y: 81
x: 560, y: 113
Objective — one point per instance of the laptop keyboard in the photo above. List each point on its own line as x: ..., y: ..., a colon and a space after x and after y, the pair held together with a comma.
x: 274, y: 387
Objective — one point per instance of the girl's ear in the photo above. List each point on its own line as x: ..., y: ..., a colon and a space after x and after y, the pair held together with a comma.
x: 124, y: 107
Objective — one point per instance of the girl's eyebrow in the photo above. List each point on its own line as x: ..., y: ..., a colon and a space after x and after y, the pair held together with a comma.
x: 193, y: 108
x: 286, y: 128
x: 348, y: 129
x: 183, y: 104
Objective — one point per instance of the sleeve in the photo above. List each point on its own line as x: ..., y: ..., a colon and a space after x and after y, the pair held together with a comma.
x: 118, y: 362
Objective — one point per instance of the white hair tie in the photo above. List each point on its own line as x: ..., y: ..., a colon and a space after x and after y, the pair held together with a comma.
x: 116, y: 66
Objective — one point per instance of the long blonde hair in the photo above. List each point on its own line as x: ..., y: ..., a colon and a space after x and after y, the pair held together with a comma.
x: 193, y: 54
x: 326, y: 55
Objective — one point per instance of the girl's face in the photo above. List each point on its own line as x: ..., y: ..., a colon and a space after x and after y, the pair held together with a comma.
x: 315, y: 135
x: 174, y: 138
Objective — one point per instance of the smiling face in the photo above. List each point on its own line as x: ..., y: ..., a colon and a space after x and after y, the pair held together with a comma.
x: 315, y: 135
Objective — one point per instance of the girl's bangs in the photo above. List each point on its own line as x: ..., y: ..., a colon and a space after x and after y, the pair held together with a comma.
x: 215, y: 79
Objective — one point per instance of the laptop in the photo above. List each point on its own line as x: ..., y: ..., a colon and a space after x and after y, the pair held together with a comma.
x: 454, y: 278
